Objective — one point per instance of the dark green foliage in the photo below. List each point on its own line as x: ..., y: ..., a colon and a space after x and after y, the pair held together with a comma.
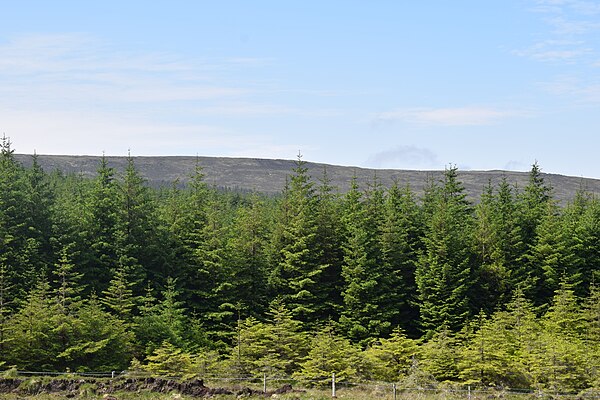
x: 444, y: 275
x: 103, y: 222
x: 503, y: 292
x: 401, y: 234
x: 297, y: 255
x: 372, y: 284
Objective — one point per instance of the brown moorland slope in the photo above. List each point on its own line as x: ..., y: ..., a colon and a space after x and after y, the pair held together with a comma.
x: 269, y: 176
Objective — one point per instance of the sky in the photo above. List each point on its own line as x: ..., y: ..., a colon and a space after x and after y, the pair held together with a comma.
x: 482, y: 85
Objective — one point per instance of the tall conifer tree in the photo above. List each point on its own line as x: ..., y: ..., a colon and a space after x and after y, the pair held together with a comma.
x: 444, y: 274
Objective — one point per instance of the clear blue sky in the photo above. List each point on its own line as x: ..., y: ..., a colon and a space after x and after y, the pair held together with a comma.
x: 385, y: 84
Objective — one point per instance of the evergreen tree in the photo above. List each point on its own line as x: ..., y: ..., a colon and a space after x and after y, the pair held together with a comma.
x: 249, y: 259
x: 30, y: 344
x: 118, y: 297
x: 444, y: 273
x: 439, y: 356
x: 363, y: 315
x: 508, y: 247
x: 534, y: 204
x: 330, y: 240
x: 139, y: 248
x: 563, y: 358
x: 330, y: 353
x: 391, y: 360
x: 400, y: 244
x: 19, y: 249
x: 161, y: 321
x: 104, y: 220
x: 297, y: 270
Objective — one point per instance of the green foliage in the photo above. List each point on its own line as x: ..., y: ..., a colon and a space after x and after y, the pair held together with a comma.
x: 444, y: 275
x: 297, y: 255
x: 502, y: 292
x: 168, y: 360
x: 275, y: 347
x: 391, y: 360
x: 330, y: 353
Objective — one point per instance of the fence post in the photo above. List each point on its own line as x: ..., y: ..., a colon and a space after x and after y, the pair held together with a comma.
x: 469, y: 388
x: 394, y: 390
x: 264, y: 383
x: 333, y: 396
x: 112, y: 374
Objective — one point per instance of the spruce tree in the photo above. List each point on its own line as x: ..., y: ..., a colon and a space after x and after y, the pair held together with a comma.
x: 19, y: 248
x: 249, y: 258
x: 297, y: 268
x: 330, y: 240
x: 400, y: 244
x: 140, y: 250
x: 103, y: 233
x: 444, y: 274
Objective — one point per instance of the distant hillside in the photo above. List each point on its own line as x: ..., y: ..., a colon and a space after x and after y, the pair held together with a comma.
x: 269, y: 176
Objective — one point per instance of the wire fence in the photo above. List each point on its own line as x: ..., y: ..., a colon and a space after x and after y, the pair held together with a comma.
x: 370, y: 389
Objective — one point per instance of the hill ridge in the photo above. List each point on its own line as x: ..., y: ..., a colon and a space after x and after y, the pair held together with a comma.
x: 269, y: 175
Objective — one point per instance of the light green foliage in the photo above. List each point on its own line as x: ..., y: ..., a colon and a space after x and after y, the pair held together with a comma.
x: 391, y: 360
x: 439, y: 356
x: 274, y: 347
x: 363, y: 263
x: 161, y: 321
x: 169, y: 360
x: 330, y: 353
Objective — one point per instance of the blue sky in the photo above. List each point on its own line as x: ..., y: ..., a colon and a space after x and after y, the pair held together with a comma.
x: 383, y: 84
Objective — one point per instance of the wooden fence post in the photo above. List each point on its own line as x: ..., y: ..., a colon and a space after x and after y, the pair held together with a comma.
x: 333, y: 396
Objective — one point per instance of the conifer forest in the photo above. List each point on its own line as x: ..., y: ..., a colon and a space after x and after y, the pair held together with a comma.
x: 107, y: 273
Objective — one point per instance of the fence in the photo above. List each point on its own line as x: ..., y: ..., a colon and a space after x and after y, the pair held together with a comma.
x: 364, y: 390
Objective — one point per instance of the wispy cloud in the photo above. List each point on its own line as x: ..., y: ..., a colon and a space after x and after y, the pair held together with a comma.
x: 572, y: 24
x: 404, y: 157
x: 579, y: 91
x: 72, y: 91
x: 76, y: 67
x: 457, y: 116
x: 556, y: 50
x: 585, y: 7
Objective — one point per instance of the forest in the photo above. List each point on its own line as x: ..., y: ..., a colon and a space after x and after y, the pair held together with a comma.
x: 108, y: 274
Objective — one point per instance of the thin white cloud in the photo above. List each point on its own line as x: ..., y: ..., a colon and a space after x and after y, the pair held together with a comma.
x: 572, y: 25
x: 579, y: 91
x: 404, y: 157
x: 458, y: 116
x: 556, y: 50
x: 516, y: 166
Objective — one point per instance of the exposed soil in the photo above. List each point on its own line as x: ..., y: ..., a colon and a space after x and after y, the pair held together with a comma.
x: 77, y: 387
